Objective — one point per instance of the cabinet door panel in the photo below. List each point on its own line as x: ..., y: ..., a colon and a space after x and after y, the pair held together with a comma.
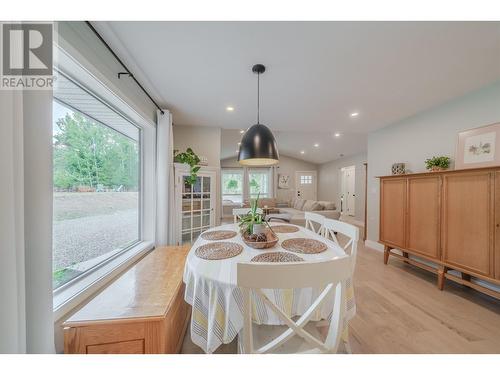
x: 424, y: 215
x: 497, y: 225
x: 392, y: 211
x: 124, y: 347
x: 467, y: 225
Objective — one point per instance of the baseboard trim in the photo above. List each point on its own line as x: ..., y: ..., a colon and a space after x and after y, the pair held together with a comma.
x: 374, y: 245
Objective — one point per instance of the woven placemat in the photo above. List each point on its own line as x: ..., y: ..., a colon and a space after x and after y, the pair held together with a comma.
x: 216, y: 235
x: 304, y: 245
x: 277, y: 257
x: 218, y: 250
x: 284, y: 228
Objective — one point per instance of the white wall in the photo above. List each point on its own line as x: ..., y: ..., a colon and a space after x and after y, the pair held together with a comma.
x: 286, y: 165
x: 424, y: 135
x: 204, y: 140
x: 329, y: 182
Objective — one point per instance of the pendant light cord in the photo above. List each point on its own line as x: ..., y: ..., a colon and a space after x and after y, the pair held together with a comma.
x: 258, y: 98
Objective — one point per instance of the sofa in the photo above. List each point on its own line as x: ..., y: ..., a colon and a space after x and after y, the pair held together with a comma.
x: 298, y: 207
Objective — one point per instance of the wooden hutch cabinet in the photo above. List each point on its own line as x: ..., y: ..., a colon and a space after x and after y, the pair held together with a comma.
x: 450, y: 218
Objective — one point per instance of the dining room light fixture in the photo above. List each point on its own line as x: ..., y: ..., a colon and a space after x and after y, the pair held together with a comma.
x: 337, y: 134
x: 355, y: 114
x: 230, y: 109
x: 258, y: 146
x: 316, y: 145
x: 302, y: 152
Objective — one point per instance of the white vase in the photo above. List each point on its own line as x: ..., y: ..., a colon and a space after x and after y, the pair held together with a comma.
x: 259, y: 228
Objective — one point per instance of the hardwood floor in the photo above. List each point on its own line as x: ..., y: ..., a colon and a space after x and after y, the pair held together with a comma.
x: 400, y: 310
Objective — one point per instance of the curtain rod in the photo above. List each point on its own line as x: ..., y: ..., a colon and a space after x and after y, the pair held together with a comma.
x: 127, y: 71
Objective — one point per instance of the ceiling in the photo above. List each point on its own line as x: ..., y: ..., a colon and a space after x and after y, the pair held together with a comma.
x: 318, y: 73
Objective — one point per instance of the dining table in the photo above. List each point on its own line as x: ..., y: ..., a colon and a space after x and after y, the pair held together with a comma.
x: 217, y: 302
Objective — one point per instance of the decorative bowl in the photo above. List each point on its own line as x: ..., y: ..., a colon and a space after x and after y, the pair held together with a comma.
x: 272, y: 240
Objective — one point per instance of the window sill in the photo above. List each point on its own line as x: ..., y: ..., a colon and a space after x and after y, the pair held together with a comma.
x: 68, y: 297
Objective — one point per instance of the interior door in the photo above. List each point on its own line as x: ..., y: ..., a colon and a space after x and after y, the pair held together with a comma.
x: 197, y: 205
x: 306, y: 185
x: 348, y: 191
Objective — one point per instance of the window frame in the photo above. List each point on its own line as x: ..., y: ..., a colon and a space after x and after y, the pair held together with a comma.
x: 71, y: 294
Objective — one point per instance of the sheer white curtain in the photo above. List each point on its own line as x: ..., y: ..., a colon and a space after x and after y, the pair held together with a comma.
x: 165, y: 179
x: 26, y: 317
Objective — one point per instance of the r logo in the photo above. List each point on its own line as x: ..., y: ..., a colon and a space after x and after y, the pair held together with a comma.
x: 27, y: 49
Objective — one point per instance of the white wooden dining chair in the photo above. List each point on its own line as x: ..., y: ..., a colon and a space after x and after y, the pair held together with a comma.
x: 239, y: 212
x: 300, y: 337
x: 331, y: 229
x: 312, y: 219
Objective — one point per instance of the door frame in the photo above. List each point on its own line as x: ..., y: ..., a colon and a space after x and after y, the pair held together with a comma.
x: 312, y: 172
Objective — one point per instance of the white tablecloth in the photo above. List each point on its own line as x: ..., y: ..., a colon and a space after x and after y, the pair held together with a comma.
x: 217, y: 303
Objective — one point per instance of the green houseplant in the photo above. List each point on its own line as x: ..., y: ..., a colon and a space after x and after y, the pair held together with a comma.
x: 253, y: 222
x: 438, y: 163
x: 190, y: 158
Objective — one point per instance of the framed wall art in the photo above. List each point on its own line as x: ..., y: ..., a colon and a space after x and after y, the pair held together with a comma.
x: 284, y: 181
x: 478, y: 148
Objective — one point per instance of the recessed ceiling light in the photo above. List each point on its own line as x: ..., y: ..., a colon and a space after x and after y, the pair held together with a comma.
x: 337, y: 134
x: 355, y: 114
x: 230, y: 109
x: 302, y: 152
x: 242, y: 131
x: 316, y: 145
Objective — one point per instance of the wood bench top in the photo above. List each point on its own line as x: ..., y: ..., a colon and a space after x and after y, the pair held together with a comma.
x: 145, y: 291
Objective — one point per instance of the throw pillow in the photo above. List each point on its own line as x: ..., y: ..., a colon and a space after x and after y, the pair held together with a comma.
x: 311, y: 205
x: 327, y: 205
x: 299, y: 203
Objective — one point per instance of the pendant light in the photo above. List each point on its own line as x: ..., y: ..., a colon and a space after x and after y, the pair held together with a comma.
x: 258, y: 146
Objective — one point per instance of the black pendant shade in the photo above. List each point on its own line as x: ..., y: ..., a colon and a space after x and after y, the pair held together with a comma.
x: 258, y: 146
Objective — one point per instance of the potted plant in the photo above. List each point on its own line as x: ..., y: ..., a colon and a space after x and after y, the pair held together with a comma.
x: 190, y: 158
x: 438, y: 163
x: 253, y: 222
x: 254, y: 229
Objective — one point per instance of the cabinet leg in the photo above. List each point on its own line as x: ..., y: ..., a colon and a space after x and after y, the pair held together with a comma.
x: 441, y: 277
x: 387, y: 251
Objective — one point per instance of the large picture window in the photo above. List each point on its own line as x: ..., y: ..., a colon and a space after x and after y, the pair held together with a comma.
x: 97, y: 183
x: 232, y: 185
x: 259, y: 182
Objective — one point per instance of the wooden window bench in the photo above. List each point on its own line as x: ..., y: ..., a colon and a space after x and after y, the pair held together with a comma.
x: 142, y: 312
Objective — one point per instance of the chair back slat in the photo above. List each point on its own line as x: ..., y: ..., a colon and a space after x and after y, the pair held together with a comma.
x: 292, y: 275
x: 333, y: 227
x: 313, y: 218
